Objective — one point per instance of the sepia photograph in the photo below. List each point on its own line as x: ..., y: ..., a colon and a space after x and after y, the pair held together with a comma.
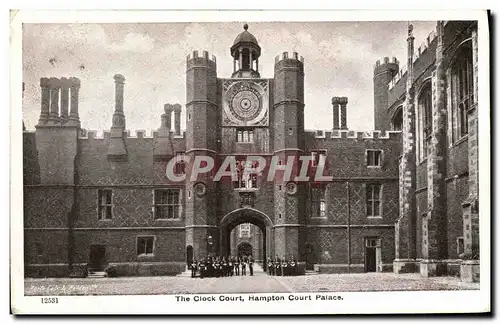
x: 238, y: 159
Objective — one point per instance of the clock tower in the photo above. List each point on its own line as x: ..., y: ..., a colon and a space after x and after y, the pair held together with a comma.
x: 240, y: 116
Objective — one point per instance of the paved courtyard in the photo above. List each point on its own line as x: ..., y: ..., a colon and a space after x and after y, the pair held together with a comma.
x: 259, y: 283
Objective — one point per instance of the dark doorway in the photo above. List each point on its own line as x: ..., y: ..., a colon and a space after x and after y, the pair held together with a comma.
x: 373, y: 254
x: 370, y: 264
x: 97, y: 257
x: 189, y: 256
x: 310, y: 257
x: 244, y: 249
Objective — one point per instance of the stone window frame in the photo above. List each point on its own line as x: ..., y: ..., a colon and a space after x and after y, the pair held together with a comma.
x: 180, y: 166
x: 457, y: 121
x: 458, y: 245
x: 153, y: 246
x: 424, y: 119
x: 381, y: 158
x: 245, y: 135
x: 109, y: 206
x: 377, y: 239
x: 247, y: 231
x: 380, y: 200
x: 317, y: 203
x: 251, y: 182
x: 156, y: 205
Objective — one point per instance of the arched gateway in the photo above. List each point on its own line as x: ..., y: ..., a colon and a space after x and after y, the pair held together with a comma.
x: 246, y: 215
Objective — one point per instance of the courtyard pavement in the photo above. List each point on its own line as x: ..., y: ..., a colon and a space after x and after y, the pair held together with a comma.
x: 259, y: 283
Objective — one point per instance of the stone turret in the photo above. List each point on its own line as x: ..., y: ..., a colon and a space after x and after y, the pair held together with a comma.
x: 383, y: 72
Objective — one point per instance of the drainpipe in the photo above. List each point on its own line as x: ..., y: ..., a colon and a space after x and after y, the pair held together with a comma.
x: 348, y: 228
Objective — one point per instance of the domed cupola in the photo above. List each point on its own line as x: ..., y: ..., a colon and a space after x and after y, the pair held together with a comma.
x: 245, y: 52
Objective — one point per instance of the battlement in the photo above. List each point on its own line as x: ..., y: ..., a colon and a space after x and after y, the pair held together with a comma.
x: 134, y: 134
x: 385, y: 65
x: 386, y: 60
x: 288, y: 56
x: 195, y: 59
x: 418, y: 52
x: 352, y: 134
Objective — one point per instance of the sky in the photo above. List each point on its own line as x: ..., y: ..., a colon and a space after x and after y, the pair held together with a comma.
x: 338, y: 61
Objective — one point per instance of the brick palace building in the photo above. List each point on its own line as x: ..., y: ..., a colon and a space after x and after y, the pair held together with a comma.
x: 402, y: 198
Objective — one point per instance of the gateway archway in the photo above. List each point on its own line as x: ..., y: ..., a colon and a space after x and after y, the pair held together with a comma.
x: 246, y: 215
x: 244, y: 249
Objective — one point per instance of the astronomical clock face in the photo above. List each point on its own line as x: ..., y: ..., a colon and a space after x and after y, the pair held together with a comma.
x: 245, y: 103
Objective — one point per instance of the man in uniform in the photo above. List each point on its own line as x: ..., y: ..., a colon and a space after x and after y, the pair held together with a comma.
x: 209, y: 267
x: 237, y: 266
x: 230, y: 266
x: 194, y: 266
x: 216, y: 267
x: 284, y: 267
x: 277, y: 266
x: 250, y: 265
x: 243, y: 267
x: 293, y: 266
x: 225, y: 267
x: 269, y: 266
x: 202, y: 267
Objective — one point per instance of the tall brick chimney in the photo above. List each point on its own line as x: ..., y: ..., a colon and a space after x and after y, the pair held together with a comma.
x: 343, y: 112
x: 167, y: 117
x: 335, y: 104
x: 116, y: 148
x: 74, y: 118
x: 177, y: 116
x: 342, y: 119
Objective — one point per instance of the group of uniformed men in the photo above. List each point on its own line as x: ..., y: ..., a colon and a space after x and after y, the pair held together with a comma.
x: 216, y: 266
x: 282, y: 267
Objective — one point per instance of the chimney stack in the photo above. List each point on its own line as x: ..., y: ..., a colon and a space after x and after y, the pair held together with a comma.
x: 116, y: 148
x: 74, y: 118
x: 343, y: 112
x: 167, y: 117
x: 64, y: 82
x: 335, y: 103
x: 44, y: 111
x: 118, y: 115
x: 177, y: 116
x: 54, y: 101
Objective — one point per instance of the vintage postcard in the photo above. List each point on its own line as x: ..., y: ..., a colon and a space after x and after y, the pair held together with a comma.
x: 250, y: 162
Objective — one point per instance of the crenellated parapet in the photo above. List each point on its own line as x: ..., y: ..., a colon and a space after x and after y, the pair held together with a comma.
x: 288, y: 60
x: 419, y: 51
x: 195, y: 60
x: 91, y: 134
x: 352, y: 134
x: 59, y: 90
x: 385, y: 64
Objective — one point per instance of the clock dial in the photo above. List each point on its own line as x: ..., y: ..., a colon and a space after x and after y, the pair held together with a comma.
x: 245, y: 103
